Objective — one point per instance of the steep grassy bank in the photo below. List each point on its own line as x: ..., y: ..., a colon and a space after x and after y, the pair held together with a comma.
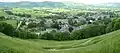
x: 108, y: 43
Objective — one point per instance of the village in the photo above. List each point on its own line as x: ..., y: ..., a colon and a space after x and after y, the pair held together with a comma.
x: 68, y: 24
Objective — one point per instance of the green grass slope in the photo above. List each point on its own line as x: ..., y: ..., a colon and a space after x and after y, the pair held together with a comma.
x: 108, y: 43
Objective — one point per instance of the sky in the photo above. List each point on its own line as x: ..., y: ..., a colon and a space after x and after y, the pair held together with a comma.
x: 78, y: 1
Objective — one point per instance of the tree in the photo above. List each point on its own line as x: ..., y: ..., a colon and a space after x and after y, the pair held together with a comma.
x: 116, y: 26
x: 8, y: 29
x: 61, y: 36
x: 82, y: 22
x: 9, y: 12
x: 47, y: 36
x: 55, y: 25
x: 76, y: 35
x: 70, y: 21
x: 106, y: 20
x: 109, y: 28
x: 32, y: 25
x: 81, y: 13
x: 70, y: 29
x: 88, y: 31
x: 2, y: 18
x: 2, y: 26
x: 25, y: 35
x: 42, y: 23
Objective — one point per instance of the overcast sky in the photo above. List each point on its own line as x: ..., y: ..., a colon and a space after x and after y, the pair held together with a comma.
x: 79, y: 1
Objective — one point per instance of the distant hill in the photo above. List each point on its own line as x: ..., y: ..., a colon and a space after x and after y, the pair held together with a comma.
x: 50, y: 4
x: 107, y: 5
x: 27, y: 4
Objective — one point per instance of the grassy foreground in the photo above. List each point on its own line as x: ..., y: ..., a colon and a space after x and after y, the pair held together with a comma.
x: 108, y: 43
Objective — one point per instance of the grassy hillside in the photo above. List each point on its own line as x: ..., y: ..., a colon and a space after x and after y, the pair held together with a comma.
x: 108, y: 43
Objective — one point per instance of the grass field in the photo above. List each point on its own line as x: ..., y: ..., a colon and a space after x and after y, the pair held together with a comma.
x: 12, y: 22
x: 3, y: 13
x: 108, y: 43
